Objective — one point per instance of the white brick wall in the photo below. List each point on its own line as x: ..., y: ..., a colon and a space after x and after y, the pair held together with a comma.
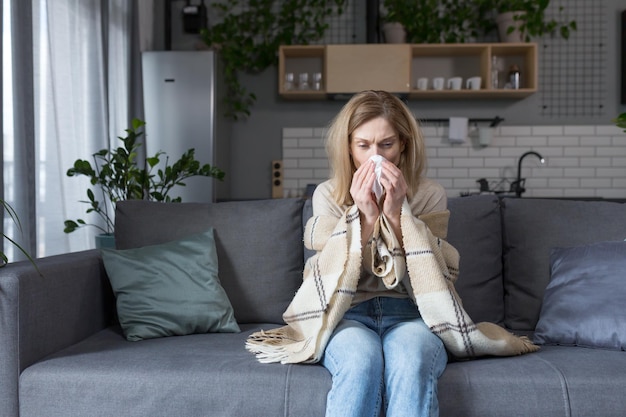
x: 581, y: 161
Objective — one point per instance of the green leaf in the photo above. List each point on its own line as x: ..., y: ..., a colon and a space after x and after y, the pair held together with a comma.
x: 153, y: 161
x: 248, y: 35
x: 70, y: 226
x: 136, y: 123
x: 620, y: 121
x: 14, y: 217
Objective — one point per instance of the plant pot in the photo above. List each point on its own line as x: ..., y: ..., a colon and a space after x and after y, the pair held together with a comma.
x: 105, y: 241
x: 507, y: 20
x: 394, y: 32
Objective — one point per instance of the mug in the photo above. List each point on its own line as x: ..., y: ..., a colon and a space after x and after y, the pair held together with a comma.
x: 455, y: 83
x: 317, y: 81
x: 303, y: 81
x: 289, y: 81
x: 422, y: 83
x: 485, y: 135
x: 438, y: 83
x: 473, y: 83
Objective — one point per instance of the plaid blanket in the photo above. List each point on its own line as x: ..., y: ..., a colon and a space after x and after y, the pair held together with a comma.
x: 331, y: 277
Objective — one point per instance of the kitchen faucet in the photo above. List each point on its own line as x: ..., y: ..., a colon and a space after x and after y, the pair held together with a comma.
x: 518, y: 185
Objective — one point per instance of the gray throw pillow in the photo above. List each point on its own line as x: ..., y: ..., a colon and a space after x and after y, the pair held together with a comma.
x: 169, y: 289
x: 583, y: 304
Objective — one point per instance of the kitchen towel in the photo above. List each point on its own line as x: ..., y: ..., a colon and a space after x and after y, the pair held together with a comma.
x: 458, y: 129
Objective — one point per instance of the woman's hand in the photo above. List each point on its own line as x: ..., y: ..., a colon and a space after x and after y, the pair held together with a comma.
x: 395, y: 187
x: 361, y: 191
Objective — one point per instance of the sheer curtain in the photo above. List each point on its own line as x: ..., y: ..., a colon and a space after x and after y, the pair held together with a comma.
x: 70, y: 96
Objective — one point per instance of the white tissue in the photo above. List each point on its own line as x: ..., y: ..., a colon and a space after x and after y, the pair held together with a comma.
x: 377, y: 188
x: 458, y: 129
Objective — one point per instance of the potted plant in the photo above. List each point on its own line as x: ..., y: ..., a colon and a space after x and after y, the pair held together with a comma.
x: 13, y: 215
x: 436, y: 21
x: 394, y: 31
x: 118, y: 175
x: 249, y: 34
x: 620, y: 121
x: 391, y: 18
x: 522, y: 20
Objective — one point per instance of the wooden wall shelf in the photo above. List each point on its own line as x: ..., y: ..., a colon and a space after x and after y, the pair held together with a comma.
x: 347, y: 69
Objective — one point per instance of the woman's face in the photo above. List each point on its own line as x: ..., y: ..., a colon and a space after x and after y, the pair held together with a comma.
x: 375, y: 137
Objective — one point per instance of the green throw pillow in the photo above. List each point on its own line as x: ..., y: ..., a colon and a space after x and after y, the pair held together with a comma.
x: 170, y: 289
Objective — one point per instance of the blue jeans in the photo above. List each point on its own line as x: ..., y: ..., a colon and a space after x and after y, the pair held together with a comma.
x: 383, y: 355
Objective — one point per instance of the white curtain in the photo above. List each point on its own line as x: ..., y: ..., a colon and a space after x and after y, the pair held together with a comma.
x: 81, y: 75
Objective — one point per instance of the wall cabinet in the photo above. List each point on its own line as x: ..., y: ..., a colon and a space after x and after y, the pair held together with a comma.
x: 347, y: 69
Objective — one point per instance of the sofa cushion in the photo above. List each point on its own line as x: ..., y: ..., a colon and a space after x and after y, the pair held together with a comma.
x: 532, y: 228
x: 169, y: 289
x: 191, y: 376
x: 556, y: 381
x: 475, y: 231
x: 259, y: 246
x: 583, y: 304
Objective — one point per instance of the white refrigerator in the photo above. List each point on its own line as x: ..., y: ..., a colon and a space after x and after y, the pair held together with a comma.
x: 182, y: 93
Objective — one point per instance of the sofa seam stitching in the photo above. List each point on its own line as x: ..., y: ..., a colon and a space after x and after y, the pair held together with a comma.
x: 286, y: 405
x: 563, y: 380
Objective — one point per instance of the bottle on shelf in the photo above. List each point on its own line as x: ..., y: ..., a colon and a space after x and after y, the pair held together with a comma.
x: 514, y: 77
x: 496, y: 68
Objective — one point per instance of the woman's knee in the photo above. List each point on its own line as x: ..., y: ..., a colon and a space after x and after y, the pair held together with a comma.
x: 412, y: 333
x: 412, y: 345
x: 355, y: 349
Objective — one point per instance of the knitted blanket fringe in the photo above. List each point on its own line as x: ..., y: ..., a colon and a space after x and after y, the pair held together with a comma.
x: 331, y: 277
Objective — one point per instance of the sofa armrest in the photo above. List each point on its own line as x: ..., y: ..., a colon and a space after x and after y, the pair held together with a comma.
x: 43, y: 313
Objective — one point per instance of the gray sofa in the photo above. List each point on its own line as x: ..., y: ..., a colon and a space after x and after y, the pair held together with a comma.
x: 62, y: 352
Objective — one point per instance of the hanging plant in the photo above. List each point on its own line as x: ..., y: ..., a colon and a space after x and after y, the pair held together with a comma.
x: 249, y: 33
x: 436, y: 21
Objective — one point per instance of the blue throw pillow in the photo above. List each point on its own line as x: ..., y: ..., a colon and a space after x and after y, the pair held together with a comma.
x: 169, y: 289
x: 583, y: 304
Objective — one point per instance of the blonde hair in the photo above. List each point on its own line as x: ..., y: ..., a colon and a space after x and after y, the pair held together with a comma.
x: 361, y: 108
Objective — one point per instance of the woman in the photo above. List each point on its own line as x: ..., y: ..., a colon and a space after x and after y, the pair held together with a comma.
x: 381, y: 354
x: 377, y: 306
